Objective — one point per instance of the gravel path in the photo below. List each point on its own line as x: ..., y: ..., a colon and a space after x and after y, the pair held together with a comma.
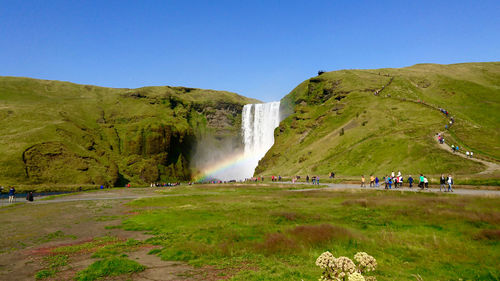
x: 97, y: 196
x: 333, y: 186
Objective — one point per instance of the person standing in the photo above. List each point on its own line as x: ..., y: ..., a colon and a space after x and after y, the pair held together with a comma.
x: 317, y: 180
x: 410, y: 181
x: 450, y: 183
x: 363, y: 181
x: 29, y: 196
x: 12, y: 194
x: 442, y: 183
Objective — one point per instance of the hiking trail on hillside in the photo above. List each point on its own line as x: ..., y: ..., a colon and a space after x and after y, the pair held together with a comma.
x: 491, y: 167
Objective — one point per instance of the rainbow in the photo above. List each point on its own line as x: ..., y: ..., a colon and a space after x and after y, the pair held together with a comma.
x: 221, y: 166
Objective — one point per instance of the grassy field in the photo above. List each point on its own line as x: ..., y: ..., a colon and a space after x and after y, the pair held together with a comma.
x: 275, y: 234
x: 337, y: 123
x: 249, y: 232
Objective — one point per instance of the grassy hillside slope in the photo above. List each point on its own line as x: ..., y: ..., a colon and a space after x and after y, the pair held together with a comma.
x: 358, y: 122
x: 63, y: 133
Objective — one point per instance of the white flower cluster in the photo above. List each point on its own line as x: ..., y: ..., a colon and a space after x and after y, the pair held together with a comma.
x: 325, y: 260
x: 356, y: 276
x: 366, y: 262
x: 343, y: 268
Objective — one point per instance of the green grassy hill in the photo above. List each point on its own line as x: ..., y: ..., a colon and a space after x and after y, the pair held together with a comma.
x: 358, y: 122
x: 63, y: 133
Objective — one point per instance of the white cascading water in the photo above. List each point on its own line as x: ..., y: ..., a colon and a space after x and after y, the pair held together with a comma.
x: 258, y: 124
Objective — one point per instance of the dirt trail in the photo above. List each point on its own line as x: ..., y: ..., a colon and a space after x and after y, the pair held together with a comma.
x: 490, y: 166
x: 30, y: 229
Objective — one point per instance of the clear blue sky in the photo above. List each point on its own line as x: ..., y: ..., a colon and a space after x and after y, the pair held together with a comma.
x: 260, y: 49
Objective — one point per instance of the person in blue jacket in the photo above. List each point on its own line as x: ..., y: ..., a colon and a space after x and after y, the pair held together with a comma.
x: 12, y: 193
x: 410, y: 181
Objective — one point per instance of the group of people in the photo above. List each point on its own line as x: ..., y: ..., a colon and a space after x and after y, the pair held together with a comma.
x: 256, y: 179
x: 446, y: 182
x: 275, y: 178
x: 440, y: 138
x: 12, y: 194
x: 452, y: 119
x: 456, y: 148
x: 444, y: 111
x: 314, y: 179
x: 389, y: 180
x: 396, y: 180
x: 165, y: 184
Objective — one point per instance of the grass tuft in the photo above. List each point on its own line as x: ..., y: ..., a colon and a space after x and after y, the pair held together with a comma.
x: 317, y: 234
x: 488, y: 234
x: 109, y: 267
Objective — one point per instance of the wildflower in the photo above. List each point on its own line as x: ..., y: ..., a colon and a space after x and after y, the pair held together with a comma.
x: 344, y: 265
x: 344, y: 269
x: 356, y: 276
x: 324, y: 260
x: 366, y: 262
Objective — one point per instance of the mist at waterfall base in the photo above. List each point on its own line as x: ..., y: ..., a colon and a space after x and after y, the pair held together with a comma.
x: 232, y: 162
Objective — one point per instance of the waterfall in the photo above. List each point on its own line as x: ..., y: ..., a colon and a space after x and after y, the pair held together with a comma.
x: 257, y: 127
x: 258, y: 124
